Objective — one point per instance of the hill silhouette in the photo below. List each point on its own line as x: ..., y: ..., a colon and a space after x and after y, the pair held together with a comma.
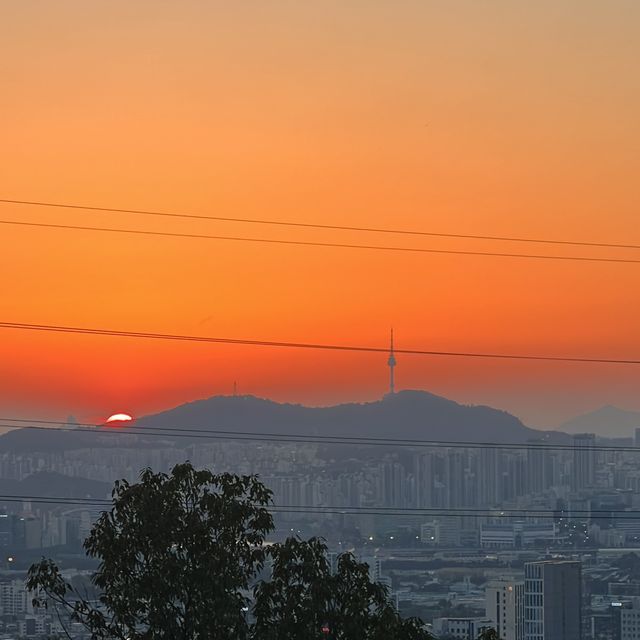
x: 608, y: 422
x: 26, y: 440
x: 407, y: 414
x: 53, y: 440
x: 49, y: 484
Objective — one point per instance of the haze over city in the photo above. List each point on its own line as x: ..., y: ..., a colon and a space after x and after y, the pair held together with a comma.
x: 319, y: 320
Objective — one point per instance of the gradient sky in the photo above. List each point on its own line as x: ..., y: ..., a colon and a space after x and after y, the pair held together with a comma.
x: 506, y: 118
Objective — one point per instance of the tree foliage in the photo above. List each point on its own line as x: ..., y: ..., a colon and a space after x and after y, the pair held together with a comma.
x: 303, y: 597
x: 178, y: 557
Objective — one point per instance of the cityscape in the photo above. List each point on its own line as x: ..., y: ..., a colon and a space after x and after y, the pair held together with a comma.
x: 317, y: 320
x: 467, y: 536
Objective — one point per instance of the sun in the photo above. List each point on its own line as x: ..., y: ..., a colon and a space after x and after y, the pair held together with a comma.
x: 119, y: 417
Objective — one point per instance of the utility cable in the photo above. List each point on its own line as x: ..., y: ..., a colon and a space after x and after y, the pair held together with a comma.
x: 329, y: 227
x: 305, y: 345
x: 352, y: 510
x: 331, y: 245
x: 283, y: 438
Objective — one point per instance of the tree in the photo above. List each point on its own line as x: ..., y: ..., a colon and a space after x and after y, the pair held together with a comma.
x: 177, y: 555
x: 303, y: 599
x: 488, y: 634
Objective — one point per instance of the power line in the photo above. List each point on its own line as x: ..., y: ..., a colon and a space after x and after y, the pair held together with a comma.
x: 444, y: 513
x: 330, y: 227
x: 301, y: 510
x: 332, y: 245
x: 492, y: 511
x: 465, y: 512
x: 56, y: 499
x: 302, y: 345
x: 218, y: 434
x: 441, y: 510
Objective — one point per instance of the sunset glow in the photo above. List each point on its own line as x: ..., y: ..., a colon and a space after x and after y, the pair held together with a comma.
x: 519, y: 119
x: 356, y: 284
x: 119, y: 417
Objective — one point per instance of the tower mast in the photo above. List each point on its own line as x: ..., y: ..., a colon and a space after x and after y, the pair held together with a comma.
x: 392, y: 363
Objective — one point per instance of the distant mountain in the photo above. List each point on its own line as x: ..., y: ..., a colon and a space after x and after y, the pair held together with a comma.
x: 28, y: 440
x: 49, y: 484
x: 608, y: 422
x: 52, y: 440
x: 407, y: 414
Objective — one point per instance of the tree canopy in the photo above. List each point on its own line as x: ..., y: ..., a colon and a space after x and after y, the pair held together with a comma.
x: 303, y: 598
x: 183, y: 556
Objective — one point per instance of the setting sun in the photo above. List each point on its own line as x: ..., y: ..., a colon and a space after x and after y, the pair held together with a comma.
x: 119, y: 417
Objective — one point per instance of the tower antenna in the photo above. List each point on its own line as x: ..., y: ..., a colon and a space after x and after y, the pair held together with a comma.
x: 392, y: 363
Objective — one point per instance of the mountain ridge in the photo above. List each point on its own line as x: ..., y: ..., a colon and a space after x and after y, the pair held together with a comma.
x: 607, y: 421
x: 410, y: 414
x: 406, y: 414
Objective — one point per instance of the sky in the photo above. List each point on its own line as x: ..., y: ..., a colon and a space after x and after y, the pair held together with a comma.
x: 490, y: 118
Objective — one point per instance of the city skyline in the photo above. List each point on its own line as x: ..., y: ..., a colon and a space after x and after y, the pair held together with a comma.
x: 319, y: 319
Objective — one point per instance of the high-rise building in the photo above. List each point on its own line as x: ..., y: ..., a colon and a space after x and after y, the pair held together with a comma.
x: 539, y: 469
x: 392, y: 484
x: 584, y: 461
x: 424, y: 474
x: 553, y: 600
x: 504, y: 605
x: 454, y: 478
x: 489, y: 467
x: 625, y: 619
x: 14, y: 598
x: 513, y: 477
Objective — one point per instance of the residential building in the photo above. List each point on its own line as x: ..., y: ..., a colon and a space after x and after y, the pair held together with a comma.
x: 505, y: 606
x: 625, y: 618
x: 553, y: 600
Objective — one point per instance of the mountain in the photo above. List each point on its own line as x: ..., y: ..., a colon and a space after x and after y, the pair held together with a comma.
x: 407, y: 414
x: 51, y: 484
x: 607, y: 421
x: 53, y: 440
x: 27, y: 440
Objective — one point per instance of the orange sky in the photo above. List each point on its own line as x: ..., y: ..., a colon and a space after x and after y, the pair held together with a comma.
x: 491, y: 118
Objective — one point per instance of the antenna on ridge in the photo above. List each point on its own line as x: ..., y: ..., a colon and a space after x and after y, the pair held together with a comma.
x: 392, y: 363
